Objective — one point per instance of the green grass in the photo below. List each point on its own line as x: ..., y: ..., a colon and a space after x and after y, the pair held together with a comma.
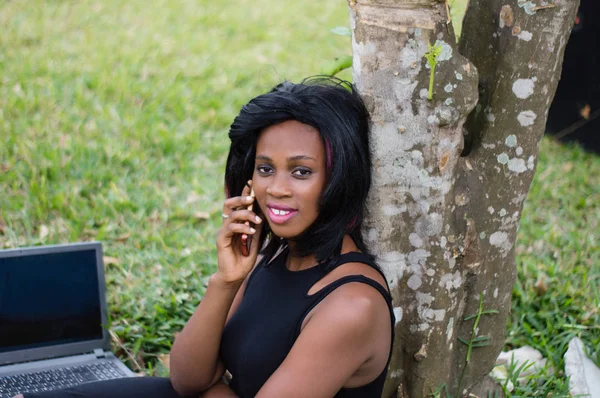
x: 557, y: 249
x: 113, y: 126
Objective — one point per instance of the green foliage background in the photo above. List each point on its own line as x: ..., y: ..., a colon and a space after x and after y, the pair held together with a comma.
x: 113, y: 127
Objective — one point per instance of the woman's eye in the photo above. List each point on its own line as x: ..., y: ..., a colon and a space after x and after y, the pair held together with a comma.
x: 302, y: 172
x: 264, y: 169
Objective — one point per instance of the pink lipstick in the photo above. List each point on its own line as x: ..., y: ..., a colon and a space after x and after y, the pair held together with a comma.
x: 279, y: 214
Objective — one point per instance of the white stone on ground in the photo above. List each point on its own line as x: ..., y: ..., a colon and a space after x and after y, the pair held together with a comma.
x: 584, y: 374
x: 532, y: 358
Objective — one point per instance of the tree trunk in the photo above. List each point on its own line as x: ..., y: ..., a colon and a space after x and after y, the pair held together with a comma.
x: 451, y: 173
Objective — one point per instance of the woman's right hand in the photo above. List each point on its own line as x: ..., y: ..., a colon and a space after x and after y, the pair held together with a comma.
x: 234, y: 266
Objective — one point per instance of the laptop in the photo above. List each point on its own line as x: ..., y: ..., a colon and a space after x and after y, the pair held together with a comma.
x: 53, y: 318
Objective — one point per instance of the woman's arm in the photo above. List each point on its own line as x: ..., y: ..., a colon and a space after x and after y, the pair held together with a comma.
x: 195, y: 364
x: 195, y: 353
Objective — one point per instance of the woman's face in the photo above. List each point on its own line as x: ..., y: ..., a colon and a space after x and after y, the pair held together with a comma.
x: 289, y: 176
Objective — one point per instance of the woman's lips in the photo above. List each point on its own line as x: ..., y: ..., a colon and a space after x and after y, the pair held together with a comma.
x: 280, y: 216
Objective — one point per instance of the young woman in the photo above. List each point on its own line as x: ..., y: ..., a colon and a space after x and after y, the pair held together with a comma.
x: 297, y: 308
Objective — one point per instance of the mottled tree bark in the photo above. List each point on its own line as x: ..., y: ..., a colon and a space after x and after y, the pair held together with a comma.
x: 451, y: 174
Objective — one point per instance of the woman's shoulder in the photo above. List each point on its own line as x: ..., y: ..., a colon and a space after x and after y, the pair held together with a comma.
x: 356, y: 312
x: 353, y: 289
x: 355, y: 306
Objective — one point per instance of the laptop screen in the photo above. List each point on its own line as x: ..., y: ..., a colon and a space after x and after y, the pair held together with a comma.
x: 49, y: 299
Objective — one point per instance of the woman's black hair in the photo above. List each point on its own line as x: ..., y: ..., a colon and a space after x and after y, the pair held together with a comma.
x: 336, y: 110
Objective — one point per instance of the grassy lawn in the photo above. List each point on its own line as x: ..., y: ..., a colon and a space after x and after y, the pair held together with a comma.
x: 113, y: 127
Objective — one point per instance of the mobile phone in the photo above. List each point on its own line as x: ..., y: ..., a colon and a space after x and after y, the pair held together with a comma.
x: 247, y: 239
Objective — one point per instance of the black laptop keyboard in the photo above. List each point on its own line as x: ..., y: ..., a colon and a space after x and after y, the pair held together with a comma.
x: 56, y: 379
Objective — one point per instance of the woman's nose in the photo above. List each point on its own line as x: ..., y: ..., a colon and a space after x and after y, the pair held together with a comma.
x: 279, y: 187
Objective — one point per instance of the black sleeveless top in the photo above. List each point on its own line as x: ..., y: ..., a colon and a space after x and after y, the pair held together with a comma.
x: 263, y: 330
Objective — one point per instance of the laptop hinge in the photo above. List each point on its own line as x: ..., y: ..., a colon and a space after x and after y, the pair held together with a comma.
x: 99, y: 352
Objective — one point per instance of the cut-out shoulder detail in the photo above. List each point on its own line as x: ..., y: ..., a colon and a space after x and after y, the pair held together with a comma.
x: 348, y: 269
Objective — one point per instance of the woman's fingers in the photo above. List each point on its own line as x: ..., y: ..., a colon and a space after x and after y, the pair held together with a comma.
x: 241, y: 229
x: 242, y: 216
x: 245, y: 200
x: 231, y: 234
x: 239, y: 222
x: 237, y: 202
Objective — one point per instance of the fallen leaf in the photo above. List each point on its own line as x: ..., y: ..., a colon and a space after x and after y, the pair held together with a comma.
x: 545, y: 174
x: 201, y: 215
x: 540, y: 287
x: 165, y: 359
x: 63, y: 141
x: 111, y: 260
x: 193, y: 197
x: 124, y: 237
x: 90, y: 233
x: 567, y: 167
x: 44, y: 231
x: 153, y: 217
x: 585, y: 112
x: 18, y: 90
